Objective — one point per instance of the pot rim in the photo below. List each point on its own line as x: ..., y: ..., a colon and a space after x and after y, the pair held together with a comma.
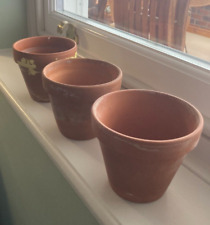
x: 44, y: 37
x: 119, y: 75
x: 186, y: 137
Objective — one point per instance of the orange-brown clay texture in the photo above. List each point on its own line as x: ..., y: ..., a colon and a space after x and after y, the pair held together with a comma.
x: 34, y: 53
x: 144, y: 136
x: 73, y: 85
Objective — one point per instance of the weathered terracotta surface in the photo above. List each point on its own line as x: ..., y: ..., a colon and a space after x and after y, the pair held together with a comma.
x: 34, y: 53
x: 73, y: 85
x: 144, y: 136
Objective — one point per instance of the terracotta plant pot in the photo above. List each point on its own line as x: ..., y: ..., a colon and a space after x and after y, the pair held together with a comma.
x: 73, y: 85
x: 144, y: 136
x: 34, y: 53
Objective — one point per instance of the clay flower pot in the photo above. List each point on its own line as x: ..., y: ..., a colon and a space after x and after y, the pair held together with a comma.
x: 144, y: 136
x: 73, y: 85
x: 34, y: 53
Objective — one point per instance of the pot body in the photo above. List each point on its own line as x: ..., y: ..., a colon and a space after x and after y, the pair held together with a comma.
x: 144, y: 136
x: 34, y: 53
x: 73, y: 85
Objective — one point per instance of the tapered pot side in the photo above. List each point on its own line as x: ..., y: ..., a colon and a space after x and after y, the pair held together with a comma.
x: 34, y: 53
x: 144, y: 136
x: 73, y: 85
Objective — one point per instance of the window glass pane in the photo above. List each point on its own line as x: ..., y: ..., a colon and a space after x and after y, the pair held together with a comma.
x: 183, y: 25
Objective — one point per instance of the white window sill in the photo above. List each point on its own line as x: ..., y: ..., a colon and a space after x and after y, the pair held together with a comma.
x: 187, y: 200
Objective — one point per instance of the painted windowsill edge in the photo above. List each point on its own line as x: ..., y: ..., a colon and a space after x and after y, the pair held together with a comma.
x: 63, y: 165
x: 97, y: 208
x: 101, y: 204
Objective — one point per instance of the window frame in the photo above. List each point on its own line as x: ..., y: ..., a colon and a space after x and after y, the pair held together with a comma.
x: 175, y: 72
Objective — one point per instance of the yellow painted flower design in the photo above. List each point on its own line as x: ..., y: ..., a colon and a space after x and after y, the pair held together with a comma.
x: 72, y: 57
x: 29, y: 65
x: 75, y: 56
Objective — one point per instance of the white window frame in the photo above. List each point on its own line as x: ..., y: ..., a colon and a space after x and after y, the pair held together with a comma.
x: 144, y: 64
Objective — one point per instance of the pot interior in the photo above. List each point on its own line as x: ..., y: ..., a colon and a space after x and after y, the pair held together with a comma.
x: 147, y: 115
x: 81, y: 72
x: 44, y: 45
